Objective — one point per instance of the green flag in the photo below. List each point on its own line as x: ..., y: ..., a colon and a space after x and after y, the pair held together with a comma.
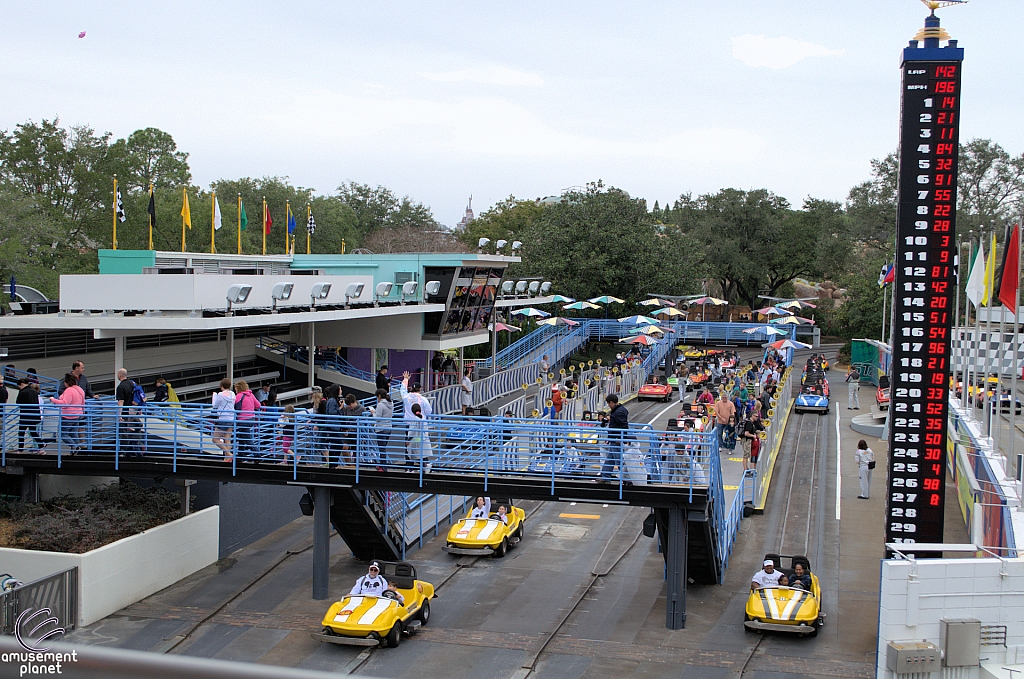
x: 242, y: 219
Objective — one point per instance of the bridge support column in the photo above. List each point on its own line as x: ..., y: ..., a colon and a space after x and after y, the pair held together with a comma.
x: 321, y: 541
x: 120, y: 342
x: 312, y: 355
x: 231, y: 354
x: 675, y: 562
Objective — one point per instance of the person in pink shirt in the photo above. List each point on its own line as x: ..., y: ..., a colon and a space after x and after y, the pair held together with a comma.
x: 72, y: 400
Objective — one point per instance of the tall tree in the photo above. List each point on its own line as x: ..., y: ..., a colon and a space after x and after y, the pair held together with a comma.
x: 507, y: 219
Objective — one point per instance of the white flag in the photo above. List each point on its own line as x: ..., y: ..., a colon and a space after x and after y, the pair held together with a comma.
x: 216, y: 214
x: 976, y: 278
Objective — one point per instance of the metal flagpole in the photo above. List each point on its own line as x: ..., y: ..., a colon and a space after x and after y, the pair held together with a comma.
x: 213, y: 223
x: 151, y: 217
x: 957, y: 328
x: 1016, y: 369
x: 113, y: 242
x: 884, y: 291
x: 264, y: 226
x: 965, y: 349
x: 239, y: 230
x: 309, y: 213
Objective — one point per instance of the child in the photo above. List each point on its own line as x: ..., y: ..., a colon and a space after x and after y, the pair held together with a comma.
x: 286, y: 427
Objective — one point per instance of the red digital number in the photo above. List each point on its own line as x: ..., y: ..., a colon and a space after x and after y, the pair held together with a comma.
x: 939, y: 302
x: 943, y: 180
x: 937, y: 469
x: 941, y: 225
x: 944, y: 118
x: 932, y: 454
x: 934, y: 394
x: 931, y: 484
x: 937, y: 317
x: 933, y: 500
x: 942, y: 211
x: 944, y: 163
x: 944, y: 195
x: 933, y: 408
x: 933, y: 424
x: 937, y: 333
x: 948, y: 102
x: 940, y: 286
x: 936, y: 348
x: 945, y: 71
x: 945, y: 86
x: 933, y: 439
x: 945, y: 149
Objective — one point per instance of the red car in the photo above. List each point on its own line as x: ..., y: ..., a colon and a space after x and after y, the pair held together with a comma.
x: 655, y: 390
x: 882, y: 393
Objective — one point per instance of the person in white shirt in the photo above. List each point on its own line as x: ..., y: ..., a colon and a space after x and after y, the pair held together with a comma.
x: 392, y: 593
x: 371, y: 584
x: 865, y: 459
x: 411, y: 395
x: 545, y: 367
x: 767, y: 576
x: 467, y: 391
x: 224, y: 416
x: 503, y: 514
x: 482, y: 509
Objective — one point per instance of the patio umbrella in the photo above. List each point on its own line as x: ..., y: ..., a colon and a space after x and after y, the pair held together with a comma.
x: 606, y: 299
x: 558, y: 320
x: 502, y: 326
x: 668, y: 311
x: 773, y: 311
x: 558, y: 299
x: 654, y: 301
x: 797, y: 304
x: 792, y: 320
x: 789, y: 344
x: 645, y: 340
x: 714, y: 301
x: 767, y: 329
x: 531, y: 312
x: 638, y: 320
x: 579, y: 306
x: 651, y: 330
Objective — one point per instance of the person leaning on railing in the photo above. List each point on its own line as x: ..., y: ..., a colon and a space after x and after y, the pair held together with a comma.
x: 72, y: 400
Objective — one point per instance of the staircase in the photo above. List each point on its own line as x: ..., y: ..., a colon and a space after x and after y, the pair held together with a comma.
x: 361, y: 520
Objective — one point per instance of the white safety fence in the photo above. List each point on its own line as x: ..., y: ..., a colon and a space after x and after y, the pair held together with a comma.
x: 771, y: 438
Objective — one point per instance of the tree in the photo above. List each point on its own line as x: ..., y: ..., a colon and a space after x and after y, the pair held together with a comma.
x: 507, y: 220
x: 602, y: 242
x: 872, y: 206
x: 150, y: 156
x: 991, y: 187
x: 378, y: 207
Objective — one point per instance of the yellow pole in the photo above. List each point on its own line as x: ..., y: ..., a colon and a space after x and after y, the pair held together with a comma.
x: 309, y: 212
x: 184, y: 197
x: 264, y: 226
x: 213, y: 229
x: 114, y: 241
x: 342, y: 246
x: 239, y: 223
x: 287, y: 236
x: 151, y: 218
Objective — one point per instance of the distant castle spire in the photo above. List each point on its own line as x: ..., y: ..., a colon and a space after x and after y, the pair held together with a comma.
x: 467, y: 217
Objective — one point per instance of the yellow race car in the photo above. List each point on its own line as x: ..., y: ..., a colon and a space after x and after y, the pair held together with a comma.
x: 380, y: 621
x: 793, y: 610
x: 484, y: 537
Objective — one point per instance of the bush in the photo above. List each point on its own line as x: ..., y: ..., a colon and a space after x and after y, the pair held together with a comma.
x: 78, y: 524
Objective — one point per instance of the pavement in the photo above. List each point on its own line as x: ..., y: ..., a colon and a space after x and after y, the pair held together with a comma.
x: 543, y: 607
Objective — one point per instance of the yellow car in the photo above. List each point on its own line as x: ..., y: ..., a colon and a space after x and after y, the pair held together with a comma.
x: 693, y: 352
x: 786, y: 609
x: 359, y: 620
x: 484, y: 537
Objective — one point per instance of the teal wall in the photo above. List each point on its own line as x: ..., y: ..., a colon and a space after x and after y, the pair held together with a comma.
x: 125, y: 261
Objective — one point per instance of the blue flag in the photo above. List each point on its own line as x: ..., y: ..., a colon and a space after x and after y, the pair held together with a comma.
x: 291, y: 220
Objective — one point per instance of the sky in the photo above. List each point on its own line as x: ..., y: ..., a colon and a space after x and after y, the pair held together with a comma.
x: 443, y: 100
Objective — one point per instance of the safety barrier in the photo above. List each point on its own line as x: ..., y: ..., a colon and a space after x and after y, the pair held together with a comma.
x: 743, y: 498
x: 771, y: 438
x: 58, y: 593
x: 48, y: 386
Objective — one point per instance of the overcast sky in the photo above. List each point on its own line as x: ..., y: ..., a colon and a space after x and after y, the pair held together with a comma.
x: 440, y: 100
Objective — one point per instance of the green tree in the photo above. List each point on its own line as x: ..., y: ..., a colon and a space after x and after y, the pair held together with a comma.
x: 872, y: 206
x: 507, y: 219
x: 378, y: 207
x: 149, y: 156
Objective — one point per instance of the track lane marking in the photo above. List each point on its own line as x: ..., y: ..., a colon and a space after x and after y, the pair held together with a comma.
x: 579, y: 516
x: 839, y: 467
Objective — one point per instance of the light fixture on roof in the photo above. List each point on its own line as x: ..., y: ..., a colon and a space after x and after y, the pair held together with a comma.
x: 383, y: 290
x: 521, y: 287
x: 353, y: 291
x: 432, y: 288
x: 516, y: 244
x: 409, y: 290
x: 506, y: 288
x: 281, y: 293
x: 319, y: 291
x: 545, y: 288
x: 237, y: 294
x: 500, y: 244
x: 534, y: 288
x: 483, y: 242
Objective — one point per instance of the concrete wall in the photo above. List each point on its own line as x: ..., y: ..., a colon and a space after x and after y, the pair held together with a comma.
x: 54, y: 485
x: 126, y: 571
x: 916, y: 597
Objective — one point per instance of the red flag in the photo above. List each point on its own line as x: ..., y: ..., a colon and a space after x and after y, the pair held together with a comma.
x: 1011, y: 271
x: 268, y: 221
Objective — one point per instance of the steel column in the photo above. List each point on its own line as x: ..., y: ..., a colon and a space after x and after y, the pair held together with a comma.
x: 312, y: 356
x: 321, y: 540
x: 675, y: 599
x: 230, y: 341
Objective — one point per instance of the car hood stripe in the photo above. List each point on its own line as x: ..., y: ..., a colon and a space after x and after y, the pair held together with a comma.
x: 487, y: 530
x: 371, y: 615
x: 353, y: 604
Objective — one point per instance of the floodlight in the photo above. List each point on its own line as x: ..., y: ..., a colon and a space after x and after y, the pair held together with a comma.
x: 281, y: 292
x: 383, y: 290
x: 516, y: 244
x: 521, y: 287
x: 506, y: 287
x: 237, y: 294
x: 319, y: 291
x: 500, y: 244
x: 483, y: 241
x: 545, y: 288
x: 353, y: 291
x: 432, y: 288
x: 409, y: 290
x: 534, y: 287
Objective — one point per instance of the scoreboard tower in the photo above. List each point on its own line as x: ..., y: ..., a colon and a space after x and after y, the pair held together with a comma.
x: 925, y: 287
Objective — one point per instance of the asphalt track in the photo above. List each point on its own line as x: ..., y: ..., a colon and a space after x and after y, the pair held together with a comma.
x: 583, y: 595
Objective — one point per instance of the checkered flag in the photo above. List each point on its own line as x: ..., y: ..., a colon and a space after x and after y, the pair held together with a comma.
x: 119, y: 206
x: 311, y: 224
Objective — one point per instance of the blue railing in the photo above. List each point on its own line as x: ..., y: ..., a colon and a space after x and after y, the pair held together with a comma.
x: 48, y: 386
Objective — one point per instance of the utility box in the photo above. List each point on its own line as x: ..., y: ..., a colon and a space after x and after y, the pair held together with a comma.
x: 911, y: 657
x: 960, y: 639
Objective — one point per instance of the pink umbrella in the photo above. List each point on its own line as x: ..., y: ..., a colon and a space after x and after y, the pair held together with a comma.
x: 501, y: 326
x: 645, y: 340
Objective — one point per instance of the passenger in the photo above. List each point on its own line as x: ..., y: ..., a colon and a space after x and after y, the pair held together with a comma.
x: 482, y: 509
x: 502, y: 514
x: 705, y: 397
x: 767, y: 576
x: 372, y: 584
x: 801, y: 579
x: 392, y: 593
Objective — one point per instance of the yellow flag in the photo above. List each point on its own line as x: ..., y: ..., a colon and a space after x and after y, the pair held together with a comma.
x: 186, y: 214
x: 990, y: 272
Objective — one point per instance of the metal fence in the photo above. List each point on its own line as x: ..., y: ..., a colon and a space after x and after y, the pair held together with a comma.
x: 57, y: 593
x: 771, y: 438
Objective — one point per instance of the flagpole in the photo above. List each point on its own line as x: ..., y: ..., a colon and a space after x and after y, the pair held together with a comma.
x: 287, y: 236
x: 239, y: 223
x: 184, y: 197
x: 213, y: 225
x: 965, y: 346
x: 309, y: 212
x: 1016, y: 369
x: 885, y: 290
x: 988, y: 345
x: 114, y: 241
x: 151, y: 218
x: 954, y: 358
x: 264, y: 226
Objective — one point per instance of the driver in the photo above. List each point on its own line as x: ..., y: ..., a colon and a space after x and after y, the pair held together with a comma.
x: 767, y: 576
x: 371, y: 584
x: 482, y: 508
x: 503, y: 514
x: 392, y: 593
x: 801, y: 579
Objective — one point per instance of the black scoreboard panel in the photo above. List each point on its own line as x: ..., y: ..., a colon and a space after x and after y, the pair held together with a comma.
x: 923, y: 301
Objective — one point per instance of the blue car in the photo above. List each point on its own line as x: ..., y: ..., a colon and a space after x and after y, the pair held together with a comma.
x: 813, y: 398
